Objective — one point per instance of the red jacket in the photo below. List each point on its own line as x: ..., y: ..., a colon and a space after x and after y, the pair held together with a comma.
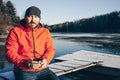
x: 25, y: 43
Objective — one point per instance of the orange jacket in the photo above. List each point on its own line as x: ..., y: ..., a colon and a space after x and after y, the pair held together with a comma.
x: 25, y: 43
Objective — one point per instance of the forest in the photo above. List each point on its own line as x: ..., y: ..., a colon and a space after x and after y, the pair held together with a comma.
x: 107, y: 23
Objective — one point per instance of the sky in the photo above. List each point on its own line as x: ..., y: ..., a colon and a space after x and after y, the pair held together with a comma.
x: 59, y: 11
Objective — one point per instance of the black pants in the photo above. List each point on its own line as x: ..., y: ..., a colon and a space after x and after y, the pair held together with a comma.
x: 42, y: 75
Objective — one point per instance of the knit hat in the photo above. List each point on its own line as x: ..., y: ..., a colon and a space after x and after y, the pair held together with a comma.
x: 33, y: 11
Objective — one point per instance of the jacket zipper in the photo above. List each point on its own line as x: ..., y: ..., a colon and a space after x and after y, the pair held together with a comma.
x: 34, y: 49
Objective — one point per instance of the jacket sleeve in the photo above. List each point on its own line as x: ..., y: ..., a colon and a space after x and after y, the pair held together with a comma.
x: 12, y: 49
x: 49, y: 48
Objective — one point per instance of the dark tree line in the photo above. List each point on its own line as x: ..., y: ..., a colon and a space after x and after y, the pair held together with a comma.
x: 8, y: 16
x: 103, y: 23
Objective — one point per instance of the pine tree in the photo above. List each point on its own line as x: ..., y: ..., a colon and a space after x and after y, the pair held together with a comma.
x: 10, y: 9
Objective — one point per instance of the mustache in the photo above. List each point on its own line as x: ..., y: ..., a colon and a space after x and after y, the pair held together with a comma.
x: 31, y: 22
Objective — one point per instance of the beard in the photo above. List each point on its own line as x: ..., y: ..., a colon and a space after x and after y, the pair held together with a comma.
x: 32, y: 24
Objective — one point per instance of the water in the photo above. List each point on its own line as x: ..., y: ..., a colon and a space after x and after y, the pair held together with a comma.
x: 67, y: 47
x: 69, y: 43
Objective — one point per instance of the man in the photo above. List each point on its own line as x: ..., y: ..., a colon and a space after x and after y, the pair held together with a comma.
x: 30, y: 48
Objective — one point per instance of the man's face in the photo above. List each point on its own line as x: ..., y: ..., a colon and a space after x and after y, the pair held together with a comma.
x: 32, y: 21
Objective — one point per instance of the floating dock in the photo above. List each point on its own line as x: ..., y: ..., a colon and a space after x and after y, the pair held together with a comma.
x: 79, y: 60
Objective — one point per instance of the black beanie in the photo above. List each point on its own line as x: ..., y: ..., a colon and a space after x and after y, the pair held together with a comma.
x: 33, y: 11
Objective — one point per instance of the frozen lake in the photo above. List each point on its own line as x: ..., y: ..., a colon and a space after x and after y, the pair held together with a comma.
x: 68, y: 43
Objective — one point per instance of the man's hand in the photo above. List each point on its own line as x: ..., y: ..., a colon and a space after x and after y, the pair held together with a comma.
x: 34, y: 64
x: 44, y: 63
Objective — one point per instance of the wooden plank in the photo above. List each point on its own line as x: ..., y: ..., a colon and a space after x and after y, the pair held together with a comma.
x: 55, y: 70
x: 82, y: 62
x: 73, y: 63
x: 75, y: 69
x: 60, y: 67
x: 69, y: 65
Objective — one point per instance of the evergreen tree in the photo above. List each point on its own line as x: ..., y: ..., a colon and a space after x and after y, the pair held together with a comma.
x: 10, y: 9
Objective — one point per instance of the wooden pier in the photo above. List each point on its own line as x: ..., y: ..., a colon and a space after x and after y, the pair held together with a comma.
x: 77, y: 61
x: 72, y: 62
